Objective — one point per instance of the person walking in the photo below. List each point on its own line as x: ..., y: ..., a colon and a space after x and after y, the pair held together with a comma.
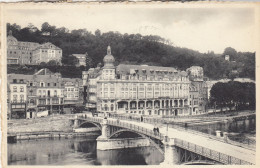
x: 142, y: 118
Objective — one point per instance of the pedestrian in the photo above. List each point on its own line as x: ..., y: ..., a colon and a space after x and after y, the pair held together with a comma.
x: 154, y: 130
x: 142, y: 118
x: 158, y: 130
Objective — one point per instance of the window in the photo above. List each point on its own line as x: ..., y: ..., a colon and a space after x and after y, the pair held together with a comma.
x: 21, y: 98
x: 48, y: 84
x: 21, y: 89
x: 41, y: 84
x: 14, y: 89
x: 14, y: 98
x: 55, y: 92
x: 55, y: 84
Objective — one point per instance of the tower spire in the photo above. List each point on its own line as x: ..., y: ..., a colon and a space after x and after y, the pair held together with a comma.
x: 108, y: 50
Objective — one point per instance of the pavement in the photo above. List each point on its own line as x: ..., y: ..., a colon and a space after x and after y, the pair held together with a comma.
x: 222, y: 147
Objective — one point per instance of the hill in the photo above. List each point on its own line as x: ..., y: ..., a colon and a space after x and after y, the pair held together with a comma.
x: 137, y: 49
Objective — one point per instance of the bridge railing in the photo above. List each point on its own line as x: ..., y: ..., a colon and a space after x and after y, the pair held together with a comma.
x: 250, y: 144
x: 136, y: 128
x: 118, y: 123
x: 211, y: 154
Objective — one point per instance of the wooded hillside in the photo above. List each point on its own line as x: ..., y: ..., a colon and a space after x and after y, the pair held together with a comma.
x: 137, y: 49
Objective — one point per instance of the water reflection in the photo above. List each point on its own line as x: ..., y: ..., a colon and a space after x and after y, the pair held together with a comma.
x: 244, y: 126
x: 78, y: 151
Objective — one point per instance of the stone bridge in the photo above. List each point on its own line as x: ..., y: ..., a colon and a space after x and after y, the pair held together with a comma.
x: 177, y: 146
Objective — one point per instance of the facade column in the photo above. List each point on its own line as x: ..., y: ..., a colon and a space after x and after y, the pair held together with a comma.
x: 128, y: 105
x: 145, y: 111
x: 137, y: 105
x: 153, y: 104
x: 182, y: 102
x: 171, y: 154
x: 160, y: 104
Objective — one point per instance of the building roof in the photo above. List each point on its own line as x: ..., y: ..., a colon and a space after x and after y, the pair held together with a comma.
x: 148, y: 70
x: 48, y: 45
x: 79, y: 56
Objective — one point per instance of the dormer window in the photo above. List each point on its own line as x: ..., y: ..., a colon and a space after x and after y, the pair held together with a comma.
x: 144, y: 70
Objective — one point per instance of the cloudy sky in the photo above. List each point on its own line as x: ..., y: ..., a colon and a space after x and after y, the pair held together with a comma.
x: 202, y: 29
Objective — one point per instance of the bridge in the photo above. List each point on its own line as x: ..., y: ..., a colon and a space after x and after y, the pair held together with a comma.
x: 178, y: 145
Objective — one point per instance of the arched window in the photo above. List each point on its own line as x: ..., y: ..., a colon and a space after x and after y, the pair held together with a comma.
x: 106, y: 107
x: 112, y: 107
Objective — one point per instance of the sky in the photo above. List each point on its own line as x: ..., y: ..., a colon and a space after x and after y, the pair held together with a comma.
x: 201, y: 29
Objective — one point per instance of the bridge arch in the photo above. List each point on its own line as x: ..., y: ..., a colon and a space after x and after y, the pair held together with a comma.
x: 125, y: 130
x: 157, y: 146
x: 93, y: 123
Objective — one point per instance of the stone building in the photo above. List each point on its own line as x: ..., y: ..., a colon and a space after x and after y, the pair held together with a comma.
x: 41, y: 91
x: 138, y: 89
x: 81, y: 59
x: 17, y: 98
x: 20, y: 52
x: 198, y: 90
x: 46, y: 52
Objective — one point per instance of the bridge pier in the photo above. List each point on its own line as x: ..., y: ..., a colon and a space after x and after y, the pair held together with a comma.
x: 76, y: 122
x: 171, y: 153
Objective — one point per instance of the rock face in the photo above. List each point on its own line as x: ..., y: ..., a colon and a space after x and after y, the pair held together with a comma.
x: 59, y: 123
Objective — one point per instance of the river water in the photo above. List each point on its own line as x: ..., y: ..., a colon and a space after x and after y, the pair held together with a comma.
x: 82, y: 151
x: 77, y: 151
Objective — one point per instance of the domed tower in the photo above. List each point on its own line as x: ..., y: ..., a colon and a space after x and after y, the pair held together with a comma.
x: 11, y: 40
x: 109, y: 59
x: 108, y: 71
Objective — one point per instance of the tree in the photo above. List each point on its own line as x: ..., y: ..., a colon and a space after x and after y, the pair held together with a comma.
x: 43, y: 64
x: 52, y: 63
x: 241, y: 95
x: 47, y: 28
x: 231, y: 52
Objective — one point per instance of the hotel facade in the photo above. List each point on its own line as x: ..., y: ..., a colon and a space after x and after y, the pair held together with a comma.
x: 137, y: 89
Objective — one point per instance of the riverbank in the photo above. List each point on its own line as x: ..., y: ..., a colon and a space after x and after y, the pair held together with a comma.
x: 56, y: 123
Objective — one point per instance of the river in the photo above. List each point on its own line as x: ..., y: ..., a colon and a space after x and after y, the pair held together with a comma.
x: 77, y: 151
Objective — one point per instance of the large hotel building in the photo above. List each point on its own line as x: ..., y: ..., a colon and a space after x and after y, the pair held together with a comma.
x: 21, y: 52
x: 142, y: 89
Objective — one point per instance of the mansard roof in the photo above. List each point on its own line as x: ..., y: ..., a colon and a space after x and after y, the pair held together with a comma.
x: 148, y: 70
x: 48, y: 45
